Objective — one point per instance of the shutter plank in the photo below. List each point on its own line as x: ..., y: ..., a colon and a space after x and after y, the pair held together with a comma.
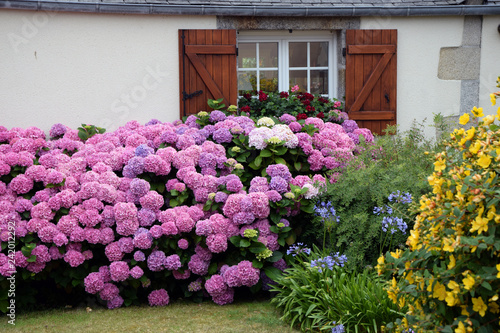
x: 208, y: 60
x: 371, y: 59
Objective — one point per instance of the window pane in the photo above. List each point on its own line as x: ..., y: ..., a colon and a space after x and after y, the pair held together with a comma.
x: 319, y: 54
x: 298, y: 78
x: 269, y: 81
x: 297, y: 54
x: 319, y: 82
x: 247, y: 81
x: 268, y: 54
x: 247, y: 55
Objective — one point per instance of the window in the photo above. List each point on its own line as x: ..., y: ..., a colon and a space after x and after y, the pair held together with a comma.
x: 277, y: 61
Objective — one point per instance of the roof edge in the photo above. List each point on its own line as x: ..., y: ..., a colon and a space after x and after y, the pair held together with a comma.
x: 161, y: 9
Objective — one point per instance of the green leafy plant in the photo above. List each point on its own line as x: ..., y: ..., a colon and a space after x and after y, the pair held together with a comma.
x: 450, y: 274
x: 216, y: 104
x: 393, y: 162
x: 317, y: 294
x: 87, y: 131
x: 301, y: 105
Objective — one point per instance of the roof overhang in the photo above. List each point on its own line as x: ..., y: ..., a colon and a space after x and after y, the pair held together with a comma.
x: 314, y: 11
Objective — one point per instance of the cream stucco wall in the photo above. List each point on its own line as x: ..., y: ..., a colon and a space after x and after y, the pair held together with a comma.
x: 420, y: 92
x: 490, y: 62
x: 89, y: 68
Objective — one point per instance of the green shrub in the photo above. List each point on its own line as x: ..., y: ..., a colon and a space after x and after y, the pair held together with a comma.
x: 392, y: 163
x: 450, y: 274
x: 317, y: 294
x: 299, y: 104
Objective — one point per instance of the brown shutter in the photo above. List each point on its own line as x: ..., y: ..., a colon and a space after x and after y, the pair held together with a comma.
x: 207, y: 68
x: 371, y: 78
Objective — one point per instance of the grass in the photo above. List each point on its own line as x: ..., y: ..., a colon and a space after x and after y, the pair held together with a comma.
x: 249, y: 316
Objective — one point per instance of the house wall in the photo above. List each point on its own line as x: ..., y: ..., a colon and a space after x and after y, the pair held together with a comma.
x: 89, y: 68
x: 490, y: 62
x: 421, y: 93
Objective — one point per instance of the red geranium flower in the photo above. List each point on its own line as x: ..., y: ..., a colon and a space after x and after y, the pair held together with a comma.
x: 301, y: 116
x: 320, y: 115
x: 246, y: 108
x: 284, y: 94
x: 248, y: 96
x: 262, y: 96
x: 306, y: 102
x: 310, y: 108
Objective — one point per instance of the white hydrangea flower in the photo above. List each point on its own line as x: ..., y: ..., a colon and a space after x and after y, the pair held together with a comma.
x: 258, y: 136
x: 265, y: 121
x: 283, y: 132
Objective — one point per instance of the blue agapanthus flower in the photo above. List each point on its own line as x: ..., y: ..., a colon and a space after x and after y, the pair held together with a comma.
x: 401, y: 197
x: 338, y: 328
x: 298, y: 248
x: 326, y: 211
x: 329, y: 262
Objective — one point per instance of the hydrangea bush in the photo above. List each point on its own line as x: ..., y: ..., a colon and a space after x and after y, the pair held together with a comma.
x: 449, y: 276
x: 202, y: 206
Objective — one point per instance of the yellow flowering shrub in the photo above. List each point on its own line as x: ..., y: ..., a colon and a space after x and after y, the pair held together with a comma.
x: 449, y: 275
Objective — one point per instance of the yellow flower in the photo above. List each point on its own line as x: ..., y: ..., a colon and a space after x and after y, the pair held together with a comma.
x: 452, y: 262
x: 440, y: 165
x: 464, y: 119
x: 498, y: 269
x: 470, y: 133
x: 460, y: 328
x: 479, y: 306
x: 397, y: 254
x: 484, y: 161
x: 468, y: 282
x: 477, y: 112
x: 494, y: 308
x: 439, y: 291
x: 454, y: 286
x: 479, y: 224
x: 474, y: 148
x: 498, y: 113
x: 451, y: 299
x: 493, y: 99
x: 488, y: 120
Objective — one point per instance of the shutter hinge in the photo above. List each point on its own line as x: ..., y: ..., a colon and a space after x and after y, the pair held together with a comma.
x: 344, y: 51
x: 237, y: 50
x: 186, y: 96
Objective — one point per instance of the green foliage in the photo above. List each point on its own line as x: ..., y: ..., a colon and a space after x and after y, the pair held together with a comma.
x: 450, y: 274
x: 314, y: 299
x: 393, y: 162
x: 216, y: 104
x: 87, y: 131
x: 276, y: 104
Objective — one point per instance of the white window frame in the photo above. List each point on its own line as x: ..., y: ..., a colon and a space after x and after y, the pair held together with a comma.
x: 283, y: 38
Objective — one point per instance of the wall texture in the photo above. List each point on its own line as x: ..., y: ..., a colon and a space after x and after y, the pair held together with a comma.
x: 89, y: 68
x: 490, y: 62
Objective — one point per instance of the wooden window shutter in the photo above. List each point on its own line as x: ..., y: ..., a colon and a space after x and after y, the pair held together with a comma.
x: 371, y: 78
x: 207, y: 68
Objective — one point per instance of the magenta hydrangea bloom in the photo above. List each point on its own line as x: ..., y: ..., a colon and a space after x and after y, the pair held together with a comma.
x: 94, y: 283
x: 136, y: 272
x: 119, y: 271
x: 115, y: 302
x: 156, y: 261
x: 198, y: 266
x: 74, y: 258
x: 108, y: 292
x: 183, y: 243
x: 173, y: 262
x: 217, y: 243
x: 158, y: 298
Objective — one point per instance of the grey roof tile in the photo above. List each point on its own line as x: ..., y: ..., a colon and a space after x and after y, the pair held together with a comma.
x: 285, y: 3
